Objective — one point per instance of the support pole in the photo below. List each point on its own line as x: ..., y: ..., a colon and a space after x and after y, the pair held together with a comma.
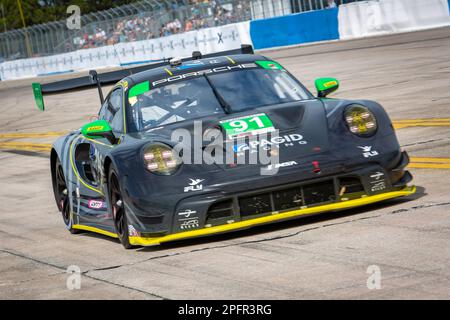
x: 27, y: 40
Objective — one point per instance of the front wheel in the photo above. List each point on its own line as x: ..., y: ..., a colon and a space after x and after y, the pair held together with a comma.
x: 118, y: 209
x: 62, y: 197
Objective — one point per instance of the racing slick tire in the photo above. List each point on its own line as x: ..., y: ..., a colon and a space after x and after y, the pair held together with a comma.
x: 62, y: 198
x: 118, y: 210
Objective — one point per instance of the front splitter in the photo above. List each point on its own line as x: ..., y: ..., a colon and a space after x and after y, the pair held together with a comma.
x: 274, y: 217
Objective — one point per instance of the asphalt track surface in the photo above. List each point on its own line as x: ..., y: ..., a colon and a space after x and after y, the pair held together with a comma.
x: 319, y: 257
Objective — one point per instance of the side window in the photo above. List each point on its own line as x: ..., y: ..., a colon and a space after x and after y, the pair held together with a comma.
x: 112, y: 112
x: 102, y: 112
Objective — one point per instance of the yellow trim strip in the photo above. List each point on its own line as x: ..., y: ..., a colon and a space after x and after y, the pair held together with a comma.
x: 94, y: 229
x: 124, y: 115
x: 231, y: 60
x: 75, y: 169
x: 169, y: 72
x: 272, y: 218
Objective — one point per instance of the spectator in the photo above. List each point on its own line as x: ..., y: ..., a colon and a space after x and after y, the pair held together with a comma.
x: 331, y: 4
x: 188, y: 26
x: 196, y: 15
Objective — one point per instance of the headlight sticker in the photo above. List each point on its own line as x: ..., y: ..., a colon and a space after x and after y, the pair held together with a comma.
x: 360, y: 120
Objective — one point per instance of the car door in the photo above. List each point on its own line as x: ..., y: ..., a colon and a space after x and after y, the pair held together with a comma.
x: 88, y: 156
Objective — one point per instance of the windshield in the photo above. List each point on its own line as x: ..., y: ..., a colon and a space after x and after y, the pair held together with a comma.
x: 250, y: 89
x: 175, y: 102
x: 211, y: 94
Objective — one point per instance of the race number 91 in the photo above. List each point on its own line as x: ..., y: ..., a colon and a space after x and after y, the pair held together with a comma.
x: 253, y: 124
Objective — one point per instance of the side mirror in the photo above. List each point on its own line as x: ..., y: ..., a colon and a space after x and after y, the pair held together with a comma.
x: 325, y: 86
x: 98, y: 129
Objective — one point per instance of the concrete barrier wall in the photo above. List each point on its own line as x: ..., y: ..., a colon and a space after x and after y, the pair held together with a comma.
x: 354, y: 20
x: 370, y: 18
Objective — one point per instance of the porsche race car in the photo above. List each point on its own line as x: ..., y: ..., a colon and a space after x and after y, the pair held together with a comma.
x: 125, y: 176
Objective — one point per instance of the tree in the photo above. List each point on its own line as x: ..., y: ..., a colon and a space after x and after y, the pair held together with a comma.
x: 42, y: 11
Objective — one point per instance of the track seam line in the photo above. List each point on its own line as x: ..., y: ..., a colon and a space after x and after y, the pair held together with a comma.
x: 23, y: 256
x: 282, y: 236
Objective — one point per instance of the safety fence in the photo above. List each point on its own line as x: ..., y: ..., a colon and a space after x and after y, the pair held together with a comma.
x: 346, y: 21
x: 143, y: 20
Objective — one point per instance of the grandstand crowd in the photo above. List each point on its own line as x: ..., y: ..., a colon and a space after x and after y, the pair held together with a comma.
x: 147, y: 25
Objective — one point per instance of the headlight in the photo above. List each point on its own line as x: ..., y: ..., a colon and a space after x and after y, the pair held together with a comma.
x: 161, y: 159
x: 360, y: 120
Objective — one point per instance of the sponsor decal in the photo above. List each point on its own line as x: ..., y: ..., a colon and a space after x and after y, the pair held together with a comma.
x: 95, y: 128
x: 367, y: 152
x: 189, y: 224
x: 281, y: 165
x: 95, y: 204
x: 194, y: 185
x: 329, y: 84
x: 377, y: 176
x: 379, y: 186
x: 187, y: 213
x: 132, y: 231
x: 377, y: 181
x: 188, y: 219
x: 287, y: 141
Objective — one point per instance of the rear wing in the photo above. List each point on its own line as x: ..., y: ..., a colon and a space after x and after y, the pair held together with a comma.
x: 96, y: 80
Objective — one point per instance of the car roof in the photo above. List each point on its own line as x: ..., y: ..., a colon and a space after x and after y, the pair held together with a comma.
x: 190, y: 66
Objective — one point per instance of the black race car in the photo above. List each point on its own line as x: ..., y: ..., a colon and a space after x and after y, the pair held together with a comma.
x: 140, y: 173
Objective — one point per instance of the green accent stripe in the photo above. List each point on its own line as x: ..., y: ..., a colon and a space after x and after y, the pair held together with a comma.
x: 267, y: 64
x: 138, y: 89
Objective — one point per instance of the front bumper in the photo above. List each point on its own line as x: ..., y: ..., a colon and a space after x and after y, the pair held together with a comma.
x: 274, y: 217
x: 235, y: 198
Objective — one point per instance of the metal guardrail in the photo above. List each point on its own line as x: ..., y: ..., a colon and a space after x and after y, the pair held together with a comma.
x: 145, y: 19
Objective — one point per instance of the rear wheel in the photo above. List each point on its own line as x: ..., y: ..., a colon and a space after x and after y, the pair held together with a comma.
x: 62, y: 197
x: 118, y: 209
